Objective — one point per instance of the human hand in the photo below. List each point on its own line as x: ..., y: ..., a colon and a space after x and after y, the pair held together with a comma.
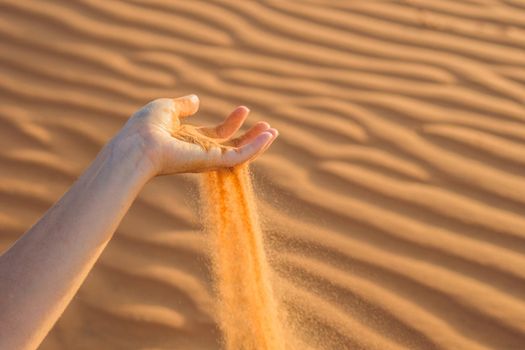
x: 154, y: 129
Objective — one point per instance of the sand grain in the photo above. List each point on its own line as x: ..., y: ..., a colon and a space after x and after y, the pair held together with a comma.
x: 394, y: 197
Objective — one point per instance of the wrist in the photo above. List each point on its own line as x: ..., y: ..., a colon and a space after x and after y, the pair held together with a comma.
x: 130, y: 151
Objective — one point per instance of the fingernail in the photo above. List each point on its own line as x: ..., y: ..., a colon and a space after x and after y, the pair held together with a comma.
x: 193, y: 98
x: 268, y: 135
x: 273, y: 131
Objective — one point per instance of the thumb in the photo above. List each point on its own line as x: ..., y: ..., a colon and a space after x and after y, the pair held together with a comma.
x: 185, y: 106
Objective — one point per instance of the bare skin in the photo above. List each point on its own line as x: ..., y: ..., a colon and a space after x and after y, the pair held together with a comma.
x: 42, y: 271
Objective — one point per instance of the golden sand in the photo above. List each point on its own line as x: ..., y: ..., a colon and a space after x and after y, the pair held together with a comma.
x: 247, y: 308
x: 396, y: 191
x: 190, y: 133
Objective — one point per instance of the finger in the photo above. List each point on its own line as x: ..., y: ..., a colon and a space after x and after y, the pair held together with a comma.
x: 229, y: 126
x: 275, y: 134
x: 218, y: 157
x: 250, y: 134
x: 251, y: 150
x: 185, y: 106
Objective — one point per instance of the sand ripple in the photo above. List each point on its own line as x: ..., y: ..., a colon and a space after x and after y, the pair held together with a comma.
x: 394, y: 199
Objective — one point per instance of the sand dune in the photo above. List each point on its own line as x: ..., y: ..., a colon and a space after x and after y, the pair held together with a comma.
x: 394, y: 200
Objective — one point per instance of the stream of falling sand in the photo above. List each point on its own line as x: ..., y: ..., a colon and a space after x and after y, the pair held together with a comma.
x: 247, y: 308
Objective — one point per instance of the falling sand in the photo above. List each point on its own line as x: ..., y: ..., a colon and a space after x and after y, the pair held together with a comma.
x: 247, y: 309
x: 396, y: 191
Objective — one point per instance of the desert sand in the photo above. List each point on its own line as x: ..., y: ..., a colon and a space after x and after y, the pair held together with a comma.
x: 393, y: 203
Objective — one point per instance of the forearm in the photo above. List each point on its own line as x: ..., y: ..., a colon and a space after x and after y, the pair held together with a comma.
x: 42, y: 271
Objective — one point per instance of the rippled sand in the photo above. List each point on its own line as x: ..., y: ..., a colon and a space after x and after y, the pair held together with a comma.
x: 394, y: 199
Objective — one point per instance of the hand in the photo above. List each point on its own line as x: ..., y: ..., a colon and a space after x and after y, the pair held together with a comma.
x: 153, y: 126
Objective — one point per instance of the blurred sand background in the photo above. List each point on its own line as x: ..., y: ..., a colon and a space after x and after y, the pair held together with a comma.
x: 394, y: 199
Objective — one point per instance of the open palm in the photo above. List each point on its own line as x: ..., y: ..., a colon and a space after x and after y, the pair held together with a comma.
x: 154, y: 126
